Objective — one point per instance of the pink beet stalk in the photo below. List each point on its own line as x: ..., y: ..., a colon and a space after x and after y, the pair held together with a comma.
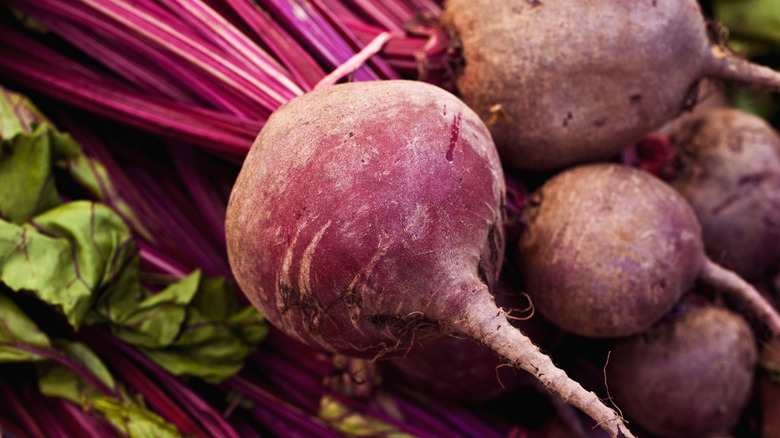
x: 306, y: 71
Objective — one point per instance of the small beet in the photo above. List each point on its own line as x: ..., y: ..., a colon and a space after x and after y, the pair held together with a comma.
x: 370, y: 214
x: 689, y: 376
x: 566, y: 82
x: 609, y: 249
x: 729, y: 171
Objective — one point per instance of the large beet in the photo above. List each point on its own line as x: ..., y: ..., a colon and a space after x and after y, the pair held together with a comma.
x: 354, y: 202
x: 566, y: 82
x: 729, y: 171
x: 368, y: 215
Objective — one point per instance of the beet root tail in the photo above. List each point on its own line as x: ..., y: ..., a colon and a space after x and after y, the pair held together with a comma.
x: 754, y: 305
x: 727, y: 66
x: 517, y: 349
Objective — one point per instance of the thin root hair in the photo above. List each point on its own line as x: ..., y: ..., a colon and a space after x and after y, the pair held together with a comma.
x: 530, y: 309
x: 606, y: 387
x: 498, y: 376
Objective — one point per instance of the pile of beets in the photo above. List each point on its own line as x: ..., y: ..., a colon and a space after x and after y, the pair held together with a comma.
x: 469, y: 240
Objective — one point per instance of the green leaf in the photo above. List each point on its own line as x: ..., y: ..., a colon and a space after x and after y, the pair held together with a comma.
x: 91, y: 175
x: 133, y: 419
x: 156, y: 320
x: 16, y: 329
x: 29, y: 147
x: 213, y: 349
x: 194, y: 327
x: 58, y: 380
x: 120, y: 296
x: 18, y: 115
x: 80, y: 257
x: 26, y: 183
x: 65, y: 255
x: 217, y: 334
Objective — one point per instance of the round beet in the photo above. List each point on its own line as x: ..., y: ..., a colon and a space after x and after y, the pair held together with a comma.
x: 565, y: 82
x: 729, y: 171
x: 609, y: 249
x: 368, y: 215
x: 689, y: 376
x: 364, y: 213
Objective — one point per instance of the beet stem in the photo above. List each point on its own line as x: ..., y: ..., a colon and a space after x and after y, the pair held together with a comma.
x: 745, y: 295
x: 516, y: 348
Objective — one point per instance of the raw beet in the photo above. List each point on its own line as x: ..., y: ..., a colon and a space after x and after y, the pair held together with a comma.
x: 368, y: 215
x: 609, y: 249
x: 565, y: 82
x: 356, y: 200
x: 689, y: 376
x: 729, y: 171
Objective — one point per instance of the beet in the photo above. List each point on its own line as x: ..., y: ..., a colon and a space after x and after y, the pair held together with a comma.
x: 369, y: 215
x: 689, y: 376
x: 729, y: 172
x: 609, y: 249
x: 566, y: 82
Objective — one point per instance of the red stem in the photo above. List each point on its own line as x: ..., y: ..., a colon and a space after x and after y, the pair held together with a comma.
x: 193, y: 51
x: 22, y: 416
x: 169, y: 119
x: 356, y: 61
x: 154, y: 396
x: 379, y: 65
x: 298, y: 61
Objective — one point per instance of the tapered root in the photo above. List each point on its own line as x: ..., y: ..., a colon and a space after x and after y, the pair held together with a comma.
x: 517, y: 349
x: 743, y: 294
x: 727, y: 66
